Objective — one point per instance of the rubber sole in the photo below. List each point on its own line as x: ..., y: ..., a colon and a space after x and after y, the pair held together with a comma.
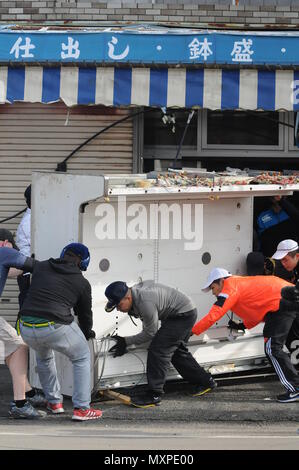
x: 202, y: 392
x: 291, y: 400
x: 145, y: 406
x: 31, y: 418
x: 56, y: 412
x: 76, y: 418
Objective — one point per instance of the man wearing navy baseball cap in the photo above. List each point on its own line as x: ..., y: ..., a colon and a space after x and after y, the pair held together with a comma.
x: 154, y: 303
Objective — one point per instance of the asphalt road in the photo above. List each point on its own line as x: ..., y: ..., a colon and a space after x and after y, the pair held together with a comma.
x: 109, y: 436
x: 237, y: 415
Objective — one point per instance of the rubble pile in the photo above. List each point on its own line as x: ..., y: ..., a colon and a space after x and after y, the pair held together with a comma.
x: 184, y: 179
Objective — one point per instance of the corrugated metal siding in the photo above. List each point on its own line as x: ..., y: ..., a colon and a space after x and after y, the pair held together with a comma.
x: 37, y: 137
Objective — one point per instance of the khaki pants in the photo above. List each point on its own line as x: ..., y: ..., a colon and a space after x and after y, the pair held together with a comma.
x: 9, y: 339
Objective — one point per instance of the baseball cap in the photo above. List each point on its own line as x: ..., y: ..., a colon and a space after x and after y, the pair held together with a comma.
x: 114, y: 293
x: 7, y: 235
x: 255, y: 263
x: 216, y: 273
x: 80, y: 250
x: 285, y: 247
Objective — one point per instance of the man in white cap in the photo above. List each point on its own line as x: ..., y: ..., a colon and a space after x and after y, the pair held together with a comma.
x: 257, y: 299
x: 288, y: 253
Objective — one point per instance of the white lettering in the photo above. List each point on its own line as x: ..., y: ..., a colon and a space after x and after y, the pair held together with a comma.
x: 17, y: 48
x: 295, y: 354
x: 105, y: 227
x: 71, y: 48
x: 152, y: 221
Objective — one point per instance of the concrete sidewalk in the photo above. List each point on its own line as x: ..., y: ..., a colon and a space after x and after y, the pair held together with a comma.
x: 249, y: 400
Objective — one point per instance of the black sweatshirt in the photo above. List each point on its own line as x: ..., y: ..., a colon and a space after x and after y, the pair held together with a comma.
x: 57, y: 286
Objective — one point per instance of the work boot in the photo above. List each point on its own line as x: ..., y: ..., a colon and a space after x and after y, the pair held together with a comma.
x: 147, y: 400
x: 202, y: 389
x: 25, y: 412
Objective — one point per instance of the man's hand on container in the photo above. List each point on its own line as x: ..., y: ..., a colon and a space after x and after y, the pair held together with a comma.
x: 120, y: 348
x: 236, y: 326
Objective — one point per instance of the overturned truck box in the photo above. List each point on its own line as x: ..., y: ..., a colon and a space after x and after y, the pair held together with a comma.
x: 137, y: 231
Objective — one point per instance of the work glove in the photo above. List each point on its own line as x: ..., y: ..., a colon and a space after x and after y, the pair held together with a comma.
x: 89, y: 334
x: 120, y: 348
x: 236, y: 326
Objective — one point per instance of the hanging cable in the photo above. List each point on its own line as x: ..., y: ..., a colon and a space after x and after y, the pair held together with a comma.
x: 62, y: 166
x: 190, y: 116
x: 103, y: 353
x: 13, y: 216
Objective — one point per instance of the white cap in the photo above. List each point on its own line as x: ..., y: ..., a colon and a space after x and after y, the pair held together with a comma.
x: 216, y: 273
x: 285, y: 247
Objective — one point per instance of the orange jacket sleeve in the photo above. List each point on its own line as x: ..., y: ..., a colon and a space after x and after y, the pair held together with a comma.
x: 217, y: 311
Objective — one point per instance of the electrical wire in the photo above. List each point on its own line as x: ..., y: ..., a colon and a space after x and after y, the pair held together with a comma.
x: 103, y: 352
x: 13, y: 216
x: 62, y: 165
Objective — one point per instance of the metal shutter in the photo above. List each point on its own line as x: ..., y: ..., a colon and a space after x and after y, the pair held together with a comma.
x: 37, y: 137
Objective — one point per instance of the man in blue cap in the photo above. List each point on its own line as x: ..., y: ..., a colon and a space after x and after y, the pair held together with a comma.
x: 154, y: 303
x: 47, y: 325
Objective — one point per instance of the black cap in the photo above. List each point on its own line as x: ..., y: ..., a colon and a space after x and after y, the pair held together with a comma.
x: 255, y: 263
x: 114, y: 293
x: 7, y: 235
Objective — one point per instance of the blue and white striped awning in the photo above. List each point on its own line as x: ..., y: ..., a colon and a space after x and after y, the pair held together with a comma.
x: 109, y: 86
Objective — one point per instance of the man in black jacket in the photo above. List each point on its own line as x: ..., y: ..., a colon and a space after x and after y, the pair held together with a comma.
x: 47, y: 325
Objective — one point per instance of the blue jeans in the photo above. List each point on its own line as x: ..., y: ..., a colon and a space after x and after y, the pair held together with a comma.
x: 68, y: 340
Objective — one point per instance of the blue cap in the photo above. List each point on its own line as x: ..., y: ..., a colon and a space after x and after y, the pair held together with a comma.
x: 80, y: 250
x: 115, y: 292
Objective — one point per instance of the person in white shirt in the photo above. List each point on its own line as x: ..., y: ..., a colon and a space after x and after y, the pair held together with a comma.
x: 23, y: 238
x: 23, y: 241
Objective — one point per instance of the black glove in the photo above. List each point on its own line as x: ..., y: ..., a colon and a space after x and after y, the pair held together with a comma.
x: 291, y: 293
x: 120, y: 348
x: 236, y: 326
x: 89, y: 334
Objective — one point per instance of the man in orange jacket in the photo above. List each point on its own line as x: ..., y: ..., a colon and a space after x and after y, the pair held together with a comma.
x: 257, y: 299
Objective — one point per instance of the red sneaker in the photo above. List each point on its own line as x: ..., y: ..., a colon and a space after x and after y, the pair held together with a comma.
x: 55, y: 408
x: 84, y: 415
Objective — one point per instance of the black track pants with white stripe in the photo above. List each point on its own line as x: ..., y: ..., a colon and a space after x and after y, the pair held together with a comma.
x: 278, y: 326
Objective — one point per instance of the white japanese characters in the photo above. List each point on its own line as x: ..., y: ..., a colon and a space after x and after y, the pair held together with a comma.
x: 17, y: 48
x: 242, y: 51
x: 71, y: 48
x: 111, y: 47
x: 200, y: 49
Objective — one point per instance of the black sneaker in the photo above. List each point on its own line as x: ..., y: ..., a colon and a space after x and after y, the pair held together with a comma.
x: 202, y: 389
x: 146, y: 401
x: 288, y: 397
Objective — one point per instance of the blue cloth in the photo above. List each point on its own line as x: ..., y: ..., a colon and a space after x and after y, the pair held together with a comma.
x: 269, y: 218
x: 9, y: 258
